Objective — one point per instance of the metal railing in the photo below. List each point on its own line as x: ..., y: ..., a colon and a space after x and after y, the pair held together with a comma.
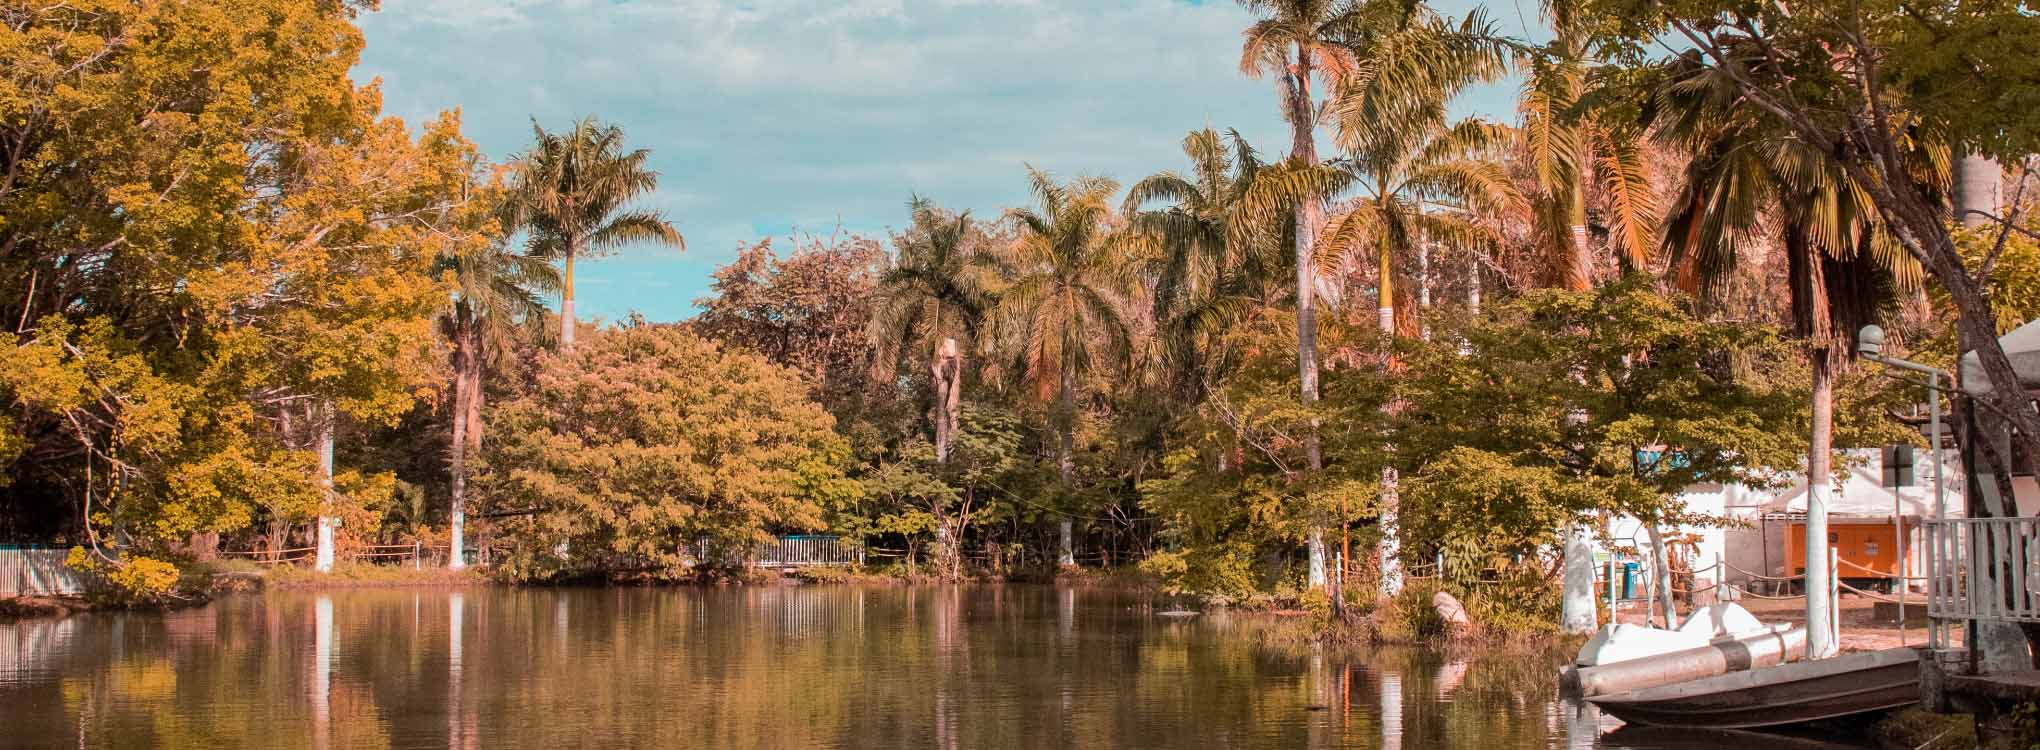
x: 1982, y: 569
x: 39, y: 572
x: 785, y: 552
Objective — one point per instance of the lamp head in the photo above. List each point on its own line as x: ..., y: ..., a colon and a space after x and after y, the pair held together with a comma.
x: 1870, y: 341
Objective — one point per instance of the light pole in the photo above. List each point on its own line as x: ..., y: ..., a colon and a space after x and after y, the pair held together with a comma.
x: 1870, y: 344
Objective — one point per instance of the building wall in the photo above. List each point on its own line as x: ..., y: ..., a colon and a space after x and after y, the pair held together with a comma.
x: 1740, y: 535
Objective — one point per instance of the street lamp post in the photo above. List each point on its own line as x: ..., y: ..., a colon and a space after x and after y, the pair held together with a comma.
x: 1870, y: 344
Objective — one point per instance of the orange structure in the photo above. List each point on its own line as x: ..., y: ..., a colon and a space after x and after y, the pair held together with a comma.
x: 1862, y: 545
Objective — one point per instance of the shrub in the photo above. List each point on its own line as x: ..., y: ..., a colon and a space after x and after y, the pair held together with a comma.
x: 127, y: 582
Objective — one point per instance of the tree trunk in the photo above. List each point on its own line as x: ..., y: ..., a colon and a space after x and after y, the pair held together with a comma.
x: 1661, y: 570
x: 1424, y: 288
x: 946, y: 374
x: 1819, y: 490
x: 567, y: 303
x: 1302, y: 114
x: 1577, y: 610
x: 1978, y: 184
x: 1390, y: 551
x: 1579, y: 275
x: 324, y: 543
x: 465, y: 379
x: 1066, y: 460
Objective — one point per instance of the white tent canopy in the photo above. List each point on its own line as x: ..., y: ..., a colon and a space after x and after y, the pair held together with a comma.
x: 2022, y: 345
x: 1863, y: 492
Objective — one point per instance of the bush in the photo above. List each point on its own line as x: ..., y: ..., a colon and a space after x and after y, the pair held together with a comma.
x: 132, y: 581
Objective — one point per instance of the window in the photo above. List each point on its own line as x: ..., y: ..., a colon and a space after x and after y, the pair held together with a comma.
x: 1898, y: 466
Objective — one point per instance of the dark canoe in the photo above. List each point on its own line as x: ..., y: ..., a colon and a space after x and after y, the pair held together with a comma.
x: 1783, y: 695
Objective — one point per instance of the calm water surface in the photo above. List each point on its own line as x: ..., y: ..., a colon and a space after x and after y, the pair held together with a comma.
x: 792, y: 667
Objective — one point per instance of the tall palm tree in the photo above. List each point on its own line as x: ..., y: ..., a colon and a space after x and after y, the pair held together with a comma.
x: 1395, y: 51
x: 937, y: 289
x: 1401, y: 151
x: 496, y: 293
x: 1297, y: 42
x: 1579, y: 151
x: 1206, y: 267
x: 1066, y: 302
x: 573, y: 191
x: 1842, y: 266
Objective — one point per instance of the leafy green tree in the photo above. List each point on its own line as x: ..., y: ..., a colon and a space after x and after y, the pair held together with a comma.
x: 1857, y: 82
x: 810, y: 310
x: 574, y: 190
x: 1565, y: 405
x: 1066, y: 303
x: 1225, y: 495
x: 914, y: 494
x: 651, y: 439
x: 1843, y: 269
x: 1401, y: 152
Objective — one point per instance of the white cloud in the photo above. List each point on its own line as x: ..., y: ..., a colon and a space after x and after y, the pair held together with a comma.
x: 768, y: 114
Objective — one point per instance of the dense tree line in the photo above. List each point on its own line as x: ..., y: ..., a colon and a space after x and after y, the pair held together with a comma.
x: 251, y: 311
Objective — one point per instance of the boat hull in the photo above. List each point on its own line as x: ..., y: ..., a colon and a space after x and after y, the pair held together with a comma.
x: 1776, y: 696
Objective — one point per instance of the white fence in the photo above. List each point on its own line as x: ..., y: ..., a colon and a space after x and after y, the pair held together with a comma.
x: 38, y: 572
x: 1985, y: 569
x: 785, y: 552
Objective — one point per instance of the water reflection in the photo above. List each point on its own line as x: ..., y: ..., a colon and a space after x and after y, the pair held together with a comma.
x: 796, y: 667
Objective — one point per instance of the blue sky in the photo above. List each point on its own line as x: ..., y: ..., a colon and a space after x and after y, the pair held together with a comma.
x: 770, y: 116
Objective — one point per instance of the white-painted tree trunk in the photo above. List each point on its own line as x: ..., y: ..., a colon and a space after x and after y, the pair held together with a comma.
x: 324, y: 560
x: 1316, y: 542
x: 1066, y: 551
x: 1389, y: 553
x: 1577, y: 609
x: 1819, y: 611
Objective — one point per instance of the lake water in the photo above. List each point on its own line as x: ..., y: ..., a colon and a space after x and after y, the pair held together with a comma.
x: 758, y: 667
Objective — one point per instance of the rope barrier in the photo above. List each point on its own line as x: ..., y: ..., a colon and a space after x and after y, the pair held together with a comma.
x: 1880, y: 573
x: 1877, y: 597
x: 268, y: 552
x: 1762, y: 577
x: 1740, y: 591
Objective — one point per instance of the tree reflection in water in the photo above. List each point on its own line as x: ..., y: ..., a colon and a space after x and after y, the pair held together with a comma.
x: 811, y: 666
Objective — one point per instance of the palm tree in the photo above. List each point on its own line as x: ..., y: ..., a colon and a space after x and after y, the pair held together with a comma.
x: 1207, y: 266
x: 572, y: 191
x: 1296, y: 41
x: 938, y: 289
x: 1577, y: 150
x: 1842, y: 266
x: 1065, y: 302
x: 1401, y: 152
x: 1388, y: 47
x: 496, y: 292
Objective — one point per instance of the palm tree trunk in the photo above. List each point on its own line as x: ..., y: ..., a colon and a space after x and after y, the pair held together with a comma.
x: 1389, y: 554
x: 1819, y: 489
x: 947, y: 372
x: 1303, y: 149
x: 1579, y: 276
x: 1066, y: 461
x: 1473, y: 289
x: 567, y: 303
